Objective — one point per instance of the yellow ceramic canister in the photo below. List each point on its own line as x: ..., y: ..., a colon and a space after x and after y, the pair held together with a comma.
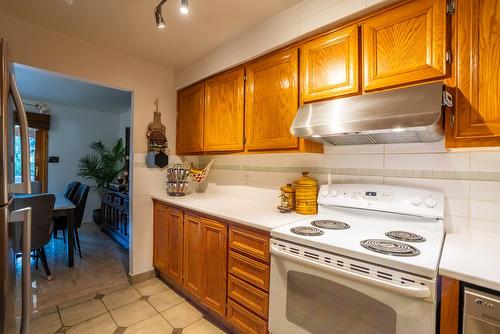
x: 306, y: 193
x: 289, y: 193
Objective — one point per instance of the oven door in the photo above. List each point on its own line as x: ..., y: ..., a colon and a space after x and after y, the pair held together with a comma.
x: 308, y: 296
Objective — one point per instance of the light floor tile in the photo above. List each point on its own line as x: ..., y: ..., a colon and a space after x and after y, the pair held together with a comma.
x: 153, y: 325
x: 165, y: 300
x: 76, y: 301
x: 150, y: 287
x: 128, y: 315
x: 182, y: 315
x: 202, y: 326
x: 75, y: 314
x: 121, y: 297
x: 103, y: 324
x: 47, y: 324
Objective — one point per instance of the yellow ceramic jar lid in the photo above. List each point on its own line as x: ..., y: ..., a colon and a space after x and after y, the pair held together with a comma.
x: 306, y: 180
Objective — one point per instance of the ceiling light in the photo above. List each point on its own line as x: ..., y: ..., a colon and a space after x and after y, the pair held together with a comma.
x: 160, y: 22
x: 184, y: 8
x: 398, y: 130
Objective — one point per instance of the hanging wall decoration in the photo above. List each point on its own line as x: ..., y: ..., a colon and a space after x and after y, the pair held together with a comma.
x: 157, y: 142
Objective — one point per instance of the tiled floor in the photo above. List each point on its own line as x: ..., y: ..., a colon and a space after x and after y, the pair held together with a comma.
x: 149, y: 307
x: 95, y: 296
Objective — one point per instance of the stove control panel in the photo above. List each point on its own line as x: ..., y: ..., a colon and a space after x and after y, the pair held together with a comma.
x: 404, y: 200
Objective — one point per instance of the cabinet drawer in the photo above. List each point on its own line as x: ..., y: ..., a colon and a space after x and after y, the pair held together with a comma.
x: 249, y: 242
x: 244, y: 320
x: 249, y: 270
x: 248, y: 296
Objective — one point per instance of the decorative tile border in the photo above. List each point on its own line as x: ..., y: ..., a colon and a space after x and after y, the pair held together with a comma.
x: 403, y: 173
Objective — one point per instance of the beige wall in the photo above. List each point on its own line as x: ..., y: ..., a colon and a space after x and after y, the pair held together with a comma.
x: 38, y: 47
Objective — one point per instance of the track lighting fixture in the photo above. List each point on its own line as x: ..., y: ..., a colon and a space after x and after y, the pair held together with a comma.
x: 184, y: 8
x: 160, y: 22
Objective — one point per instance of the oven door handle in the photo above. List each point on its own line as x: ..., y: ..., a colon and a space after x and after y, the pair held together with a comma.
x: 421, y: 292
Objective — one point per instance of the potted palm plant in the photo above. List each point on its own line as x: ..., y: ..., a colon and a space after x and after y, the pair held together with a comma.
x: 102, y: 166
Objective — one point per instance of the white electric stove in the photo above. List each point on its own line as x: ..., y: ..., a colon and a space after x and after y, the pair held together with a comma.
x: 367, y: 263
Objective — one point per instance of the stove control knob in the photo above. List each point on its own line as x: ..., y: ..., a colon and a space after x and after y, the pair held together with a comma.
x: 416, y: 200
x: 430, y: 202
x: 333, y: 192
x: 324, y: 193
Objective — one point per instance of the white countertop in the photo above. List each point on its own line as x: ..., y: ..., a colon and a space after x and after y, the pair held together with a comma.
x: 471, y: 259
x: 252, y: 211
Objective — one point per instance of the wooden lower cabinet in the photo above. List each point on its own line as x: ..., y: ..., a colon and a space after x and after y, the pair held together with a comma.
x: 223, y: 266
x: 167, y: 251
x: 214, y: 253
x: 450, y: 306
x: 193, y: 256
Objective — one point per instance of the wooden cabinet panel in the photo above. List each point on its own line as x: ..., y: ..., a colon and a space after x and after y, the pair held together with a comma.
x: 160, y: 249
x: 175, y: 240
x: 215, y: 265
x: 190, y: 116
x: 249, y: 242
x: 450, y: 295
x: 477, y: 102
x: 249, y: 270
x: 271, y: 102
x: 244, y: 320
x: 193, y: 254
x: 329, y: 66
x: 224, y: 112
x: 405, y: 45
x: 248, y: 296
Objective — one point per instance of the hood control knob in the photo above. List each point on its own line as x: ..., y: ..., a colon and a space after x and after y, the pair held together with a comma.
x: 430, y: 202
x: 416, y: 200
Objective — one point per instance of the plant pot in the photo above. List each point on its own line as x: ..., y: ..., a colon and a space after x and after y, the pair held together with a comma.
x: 97, y: 216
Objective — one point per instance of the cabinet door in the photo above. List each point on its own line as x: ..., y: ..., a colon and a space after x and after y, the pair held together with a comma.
x: 271, y: 102
x: 160, y: 248
x: 190, y: 114
x: 175, y: 237
x: 224, y: 111
x: 477, y: 114
x: 193, y: 254
x: 405, y: 45
x: 215, y: 265
x: 329, y: 66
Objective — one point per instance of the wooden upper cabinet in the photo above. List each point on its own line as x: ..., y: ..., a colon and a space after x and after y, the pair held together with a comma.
x: 224, y: 112
x: 405, y: 45
x: 215, y: 265
x: 329, y: 66
x: 271, y: 101
x: 174, y: 244
x: 190, y: 114
x: 193, y: 254
x: 477, y: 114
x: 160, y: 248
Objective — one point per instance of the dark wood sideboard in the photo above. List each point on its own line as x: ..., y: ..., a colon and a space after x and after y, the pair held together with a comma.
x: 115, y: 216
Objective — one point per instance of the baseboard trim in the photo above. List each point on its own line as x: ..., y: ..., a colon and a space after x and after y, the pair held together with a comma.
x: 138, y: 278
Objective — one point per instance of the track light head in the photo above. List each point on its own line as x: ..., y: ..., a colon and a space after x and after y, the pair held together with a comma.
x: 184, y: 8
x: 160, y: 22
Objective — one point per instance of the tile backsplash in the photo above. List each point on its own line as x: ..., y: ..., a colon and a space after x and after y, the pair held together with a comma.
x: 469, y: 179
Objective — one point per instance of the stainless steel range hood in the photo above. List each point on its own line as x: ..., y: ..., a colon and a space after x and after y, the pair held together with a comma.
x: 406, y: 115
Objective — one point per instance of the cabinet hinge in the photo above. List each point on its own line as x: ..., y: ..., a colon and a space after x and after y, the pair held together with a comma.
x: 447, y: 99
x: 450, y: 7
x: 452, y: 119
x: 448, y: 56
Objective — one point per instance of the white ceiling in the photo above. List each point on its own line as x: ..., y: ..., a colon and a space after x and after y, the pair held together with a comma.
x: 47, y: 87
x: 128, y: 25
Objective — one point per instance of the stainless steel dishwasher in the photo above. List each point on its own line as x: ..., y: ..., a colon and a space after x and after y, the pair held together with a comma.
x: 481, y: 312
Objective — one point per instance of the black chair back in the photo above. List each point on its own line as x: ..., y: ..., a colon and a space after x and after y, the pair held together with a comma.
x: 71, y: 190
x: 42, y: 209
x: 80, y: 202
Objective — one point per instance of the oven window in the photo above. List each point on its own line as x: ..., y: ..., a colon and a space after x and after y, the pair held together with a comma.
x: 320, y: 306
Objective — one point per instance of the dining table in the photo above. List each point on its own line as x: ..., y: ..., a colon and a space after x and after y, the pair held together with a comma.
x: 63, y: 207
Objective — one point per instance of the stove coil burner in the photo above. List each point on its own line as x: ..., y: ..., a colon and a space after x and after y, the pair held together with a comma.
x: 390, y: 247
x: 405, y: 236
x: 307, y: 230
x: 330, y: 224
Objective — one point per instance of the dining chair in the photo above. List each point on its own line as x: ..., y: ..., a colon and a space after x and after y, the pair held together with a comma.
x: 42, y: 206
x: 60, y: 222
x: 80, y: 203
